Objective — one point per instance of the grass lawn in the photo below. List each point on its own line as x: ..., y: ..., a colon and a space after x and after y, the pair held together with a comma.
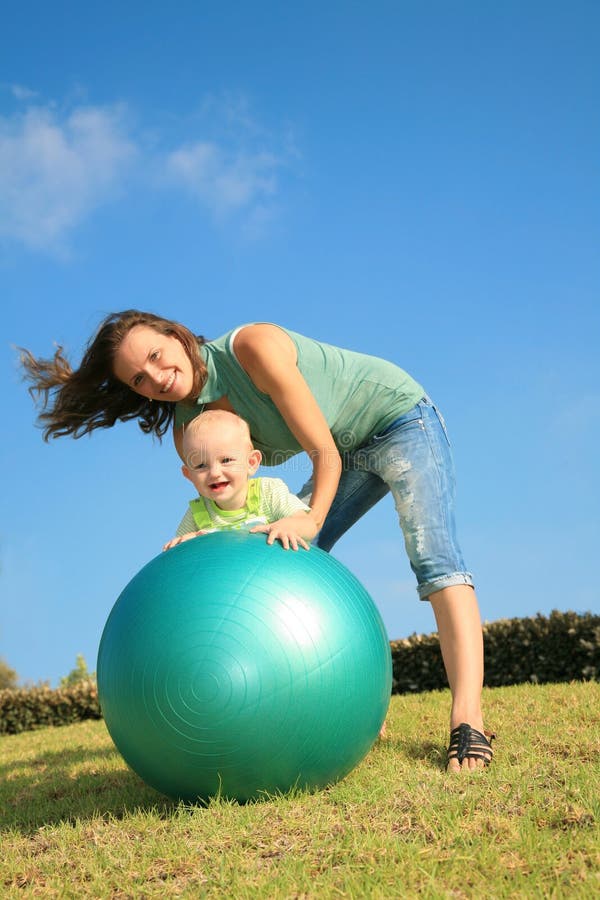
x: 75, y: 822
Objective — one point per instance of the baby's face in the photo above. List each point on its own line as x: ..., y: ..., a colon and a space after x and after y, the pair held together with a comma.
x: 218, y: 462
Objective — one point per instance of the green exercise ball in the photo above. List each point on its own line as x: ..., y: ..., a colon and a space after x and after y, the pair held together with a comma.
x: 230, y: 667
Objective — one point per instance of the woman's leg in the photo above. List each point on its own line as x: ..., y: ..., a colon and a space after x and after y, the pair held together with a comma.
x: 357, y: 493
x: 461, y: 641
x: 414, y: 458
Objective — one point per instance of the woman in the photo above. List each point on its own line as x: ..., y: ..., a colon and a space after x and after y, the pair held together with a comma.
x: 366, y: 425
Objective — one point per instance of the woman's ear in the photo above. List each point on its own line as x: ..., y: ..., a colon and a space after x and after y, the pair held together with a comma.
x: 254, y: 461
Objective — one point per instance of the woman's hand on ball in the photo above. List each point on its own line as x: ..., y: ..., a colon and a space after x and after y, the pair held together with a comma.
x: 292, y: 532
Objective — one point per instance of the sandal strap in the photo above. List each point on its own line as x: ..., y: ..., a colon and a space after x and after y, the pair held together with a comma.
x: 468, y: 743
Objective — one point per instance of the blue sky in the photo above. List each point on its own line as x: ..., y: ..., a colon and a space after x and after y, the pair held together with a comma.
x: 417, y: 180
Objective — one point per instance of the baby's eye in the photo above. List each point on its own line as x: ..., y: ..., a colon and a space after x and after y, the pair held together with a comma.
x: 198, y: 466
x: 227, y: 460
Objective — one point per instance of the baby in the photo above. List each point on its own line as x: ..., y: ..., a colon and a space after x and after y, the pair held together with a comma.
x: 219, y: 461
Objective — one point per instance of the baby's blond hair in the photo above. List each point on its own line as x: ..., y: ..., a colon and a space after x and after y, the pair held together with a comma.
x: 214, y: 418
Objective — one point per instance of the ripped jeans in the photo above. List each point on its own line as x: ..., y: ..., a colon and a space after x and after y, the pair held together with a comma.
x: 412, y: 459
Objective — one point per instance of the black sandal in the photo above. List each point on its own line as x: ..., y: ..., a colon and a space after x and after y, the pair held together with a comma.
x: 468, y: 743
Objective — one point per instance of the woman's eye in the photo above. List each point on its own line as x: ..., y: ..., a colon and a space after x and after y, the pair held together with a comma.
x: 137, y: 380
x: 154, y: 355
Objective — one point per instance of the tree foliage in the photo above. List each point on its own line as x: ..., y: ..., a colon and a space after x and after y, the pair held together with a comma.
x: 78, y: 674
x: 8, y: 676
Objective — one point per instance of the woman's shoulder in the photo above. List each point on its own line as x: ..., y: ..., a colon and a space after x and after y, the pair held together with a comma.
x: 258, y: 341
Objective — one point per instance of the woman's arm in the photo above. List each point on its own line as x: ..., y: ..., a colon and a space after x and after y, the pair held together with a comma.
x: 268, y: 356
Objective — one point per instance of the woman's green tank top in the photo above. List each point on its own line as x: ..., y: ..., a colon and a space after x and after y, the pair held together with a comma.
x: 358, y: 394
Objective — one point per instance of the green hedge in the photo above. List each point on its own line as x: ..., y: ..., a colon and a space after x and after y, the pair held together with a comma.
x: 560, y: 647
x: 541, y: 649
x: 23, y: 709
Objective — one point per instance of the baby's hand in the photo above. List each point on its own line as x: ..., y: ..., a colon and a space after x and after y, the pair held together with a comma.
x: 184, y: 537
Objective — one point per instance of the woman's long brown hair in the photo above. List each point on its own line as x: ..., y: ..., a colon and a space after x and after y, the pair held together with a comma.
x: 77, y: 401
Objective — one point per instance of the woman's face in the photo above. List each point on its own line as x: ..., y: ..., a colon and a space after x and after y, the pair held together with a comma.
x: 154, y: 365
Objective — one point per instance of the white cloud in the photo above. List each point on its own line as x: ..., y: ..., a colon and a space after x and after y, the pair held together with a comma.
x: 20, y: 92
x: 54, y: 171
x: 224, y: 182
x: 57, y: 168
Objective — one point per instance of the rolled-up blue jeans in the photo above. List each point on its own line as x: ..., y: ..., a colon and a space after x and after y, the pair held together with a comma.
x: 412, y: 460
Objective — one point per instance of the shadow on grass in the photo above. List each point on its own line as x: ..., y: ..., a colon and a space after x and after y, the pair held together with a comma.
x: 432, y: 755
x: 45, y: 791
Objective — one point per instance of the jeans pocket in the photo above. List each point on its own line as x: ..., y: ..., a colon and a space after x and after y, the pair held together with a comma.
x: 413, y: 415
x: 440, y: 419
